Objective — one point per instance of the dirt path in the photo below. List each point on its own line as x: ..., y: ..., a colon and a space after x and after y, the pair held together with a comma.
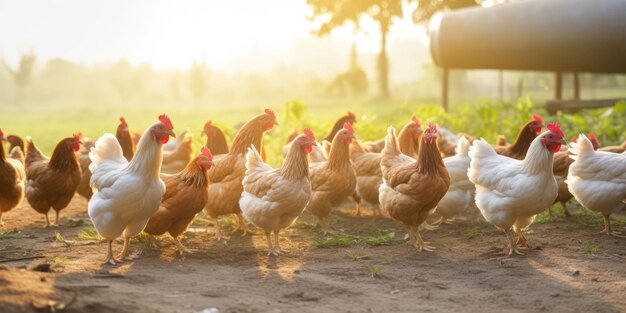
x: 571, y: 268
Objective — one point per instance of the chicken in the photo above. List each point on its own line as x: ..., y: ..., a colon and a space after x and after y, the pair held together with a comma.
x: 597, y: 179
x: 367, y: 165
x: 83, y: 188
x: 615, y: 149
x: 334, y: 180
x: 460, y: 194
x: 126, y: 142
x: 501, y: 141
x: 446, y: 147
x: 51, y: 182
x: 185, y: 195
x: 227, y: 175
x: 11, y: 180
x: 412, y: 187
x: 215, y: 139
x: 526, y: 135
x: 272, y: 199
x: 349, y: 118
x: 176, y: 160
x: 560, y: 167
x: 127, y: 194
x: 510, y: 192
x: 171, y: 145
x: 317, y: 152
x: 17, y: 154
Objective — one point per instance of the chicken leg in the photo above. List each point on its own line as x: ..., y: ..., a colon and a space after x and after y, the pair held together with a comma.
x: 241, y: 225
x: 357, y: 203
x: 418, y: 242
x: 512, y: 247
x: 47, y: 220
x: 271, y: 250
x: 376, y: 210
x: 442, y: 220
x: 124, y: 254
x: 182, y: 249
x: 277, y: 243
x: 218, y: 231
x: 565, y: 209
x: 109, y: 259
x: 154, y: 243
x: 607, y: 228
x: 56, y: 218
x: 1, y: 222
x: 323, y: 223
x: 521, y: 240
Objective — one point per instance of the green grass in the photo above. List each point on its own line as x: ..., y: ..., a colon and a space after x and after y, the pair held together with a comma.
x: 374, y: 271
x: 58, y: 237
x: 9, y: 233
x: 89, y: 233
x: 473, y: 234
x: 335, y: 240
x: 354, y: 255
x: 590, y: 247
x: 386, y: 238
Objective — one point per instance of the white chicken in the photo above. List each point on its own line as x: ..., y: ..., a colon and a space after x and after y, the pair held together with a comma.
x: 170, y: 146
x: 597, y: 179
x: 127, y: 194
x: 509, y: 192
x: 272, y: 199
x: 460, y: 194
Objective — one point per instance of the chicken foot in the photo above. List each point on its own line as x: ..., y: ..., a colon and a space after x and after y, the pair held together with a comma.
x: 182, y: 249
x: 277, y: 243
x: 607, y: 228
x: 357, y: 203
x: 323, y: 223
x: 124, y: 254
x: 416, y: 240
x: 512, y: 247
x: 154, y: 243
x: 442, y: 220
x: 109, y: 259
x: 271, y: 250
x: 521, y: 239
x: 218, y: 231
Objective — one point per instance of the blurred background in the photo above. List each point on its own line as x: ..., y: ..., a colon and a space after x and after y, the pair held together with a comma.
x: 84, y: 63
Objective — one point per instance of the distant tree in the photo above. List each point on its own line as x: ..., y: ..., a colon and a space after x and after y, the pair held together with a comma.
x: 23, y: 74
x: 427, y: 8
x: 335, y: 13
x: 353, y: 80
x: 198, y: 79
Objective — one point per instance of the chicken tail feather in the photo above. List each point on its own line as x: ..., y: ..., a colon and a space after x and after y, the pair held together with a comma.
x: 32, y: 152
x: 462, y: 146
x: 106, y: 148
x: 253, y: 158
x: 580, y: 147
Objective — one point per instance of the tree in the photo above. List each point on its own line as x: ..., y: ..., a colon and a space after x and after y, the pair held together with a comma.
x: 427, y: 8
x: 22, y: 75
x: 336, y: 13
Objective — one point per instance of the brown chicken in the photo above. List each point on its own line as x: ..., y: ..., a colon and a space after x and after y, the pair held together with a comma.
x: 176, y: 160
x: 334, y: 180
x: 349, y: 118
x: 412, y: 187
x: 367, y: 165
x: 185, y: 196
x: 501, y: 141
x: 615, y: 149
x: 215, y: 139
x: 227, y: 175
x: 526, y: 135
x: 11, y: 180
x: 84, y: 189
x: 51, y: 182
x: 560, y: 168
x: 17, y: 154
x: 126, y: 142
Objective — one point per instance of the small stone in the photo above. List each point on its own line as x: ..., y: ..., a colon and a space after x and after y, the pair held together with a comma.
x: 576, y: 273
x: 43, y: 267
x: 554, y: 295
x: 595, y: 279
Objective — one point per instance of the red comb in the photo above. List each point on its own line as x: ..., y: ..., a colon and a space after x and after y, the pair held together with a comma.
x: 555, y: 128
x: 270, y: 113
x: 208, y: 123
x: 348, y: 127
x: 166, y: 120
x: 432, y: 127
x: 207, y: 152
x: 77, y: 136
x: 592, y: 137
x: 574, y: 139
x: 309, y: 134
x: 123, y: 121
x: 1, y: 133
x: 416, y: 121
x: 537, y: 118
x: 352, y: 115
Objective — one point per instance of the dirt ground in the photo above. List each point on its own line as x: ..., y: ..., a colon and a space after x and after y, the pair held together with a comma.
x: 570, y: 268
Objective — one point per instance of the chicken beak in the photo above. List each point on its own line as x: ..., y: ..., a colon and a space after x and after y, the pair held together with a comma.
x: 171, y: 133
x: 563, y: 142
x: 276, y: 123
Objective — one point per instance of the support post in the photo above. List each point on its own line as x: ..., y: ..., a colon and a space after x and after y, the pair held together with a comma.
x: 576, y: 85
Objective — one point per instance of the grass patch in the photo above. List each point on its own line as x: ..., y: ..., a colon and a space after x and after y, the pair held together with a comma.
x: 591, y: 247
x: 381, y: 240
x: 9, y: 234
x: 354, y: 255
x: 89, y: 233
x: 75, y: 222
x: 58, y: 261
x: 58, y: 237
x: 473, y: 234
x: 374, y: 271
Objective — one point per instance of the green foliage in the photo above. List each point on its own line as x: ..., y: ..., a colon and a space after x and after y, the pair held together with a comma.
x: 591, y: 247
x: 374, y: 271
x: 89, y: 233
x: 473, y: 234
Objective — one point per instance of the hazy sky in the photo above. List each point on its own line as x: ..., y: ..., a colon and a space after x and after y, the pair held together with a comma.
x: 167, y: 34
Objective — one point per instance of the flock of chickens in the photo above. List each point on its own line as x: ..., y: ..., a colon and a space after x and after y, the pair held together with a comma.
x: 148, y: 183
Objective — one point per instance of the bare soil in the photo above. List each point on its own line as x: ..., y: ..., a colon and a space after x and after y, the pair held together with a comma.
x: 571, y: 268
